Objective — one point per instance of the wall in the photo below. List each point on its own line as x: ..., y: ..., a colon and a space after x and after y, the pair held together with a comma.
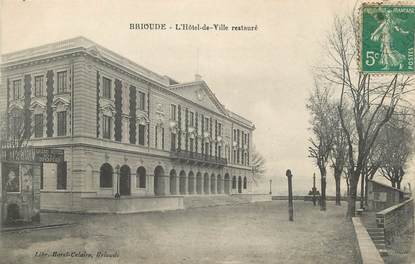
x: 397, y: 220
x: 367, y: 250
x: 381, y: 196
x: 27, y: 194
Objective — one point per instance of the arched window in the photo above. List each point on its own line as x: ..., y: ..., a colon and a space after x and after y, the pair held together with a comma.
x: 141, y: 177
x: 244, y: 182
x: 105, y: 176
x: 234, y: 182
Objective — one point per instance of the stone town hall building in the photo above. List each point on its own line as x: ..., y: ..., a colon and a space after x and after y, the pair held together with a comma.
x: 124, y: 129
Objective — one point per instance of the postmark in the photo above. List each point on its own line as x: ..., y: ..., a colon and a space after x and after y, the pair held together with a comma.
x: 387, y: 38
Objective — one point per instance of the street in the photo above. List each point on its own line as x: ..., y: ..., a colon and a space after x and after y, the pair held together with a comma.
x: 247, y: 233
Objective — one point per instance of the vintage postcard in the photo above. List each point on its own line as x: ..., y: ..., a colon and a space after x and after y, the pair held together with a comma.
x: 211, y: 132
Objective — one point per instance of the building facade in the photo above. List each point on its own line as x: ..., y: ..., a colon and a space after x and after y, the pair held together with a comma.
x: 123, y: 128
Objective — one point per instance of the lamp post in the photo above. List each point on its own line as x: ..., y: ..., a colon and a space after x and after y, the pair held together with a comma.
x: 290, y: 195
x: 270, y: 184
x: 117, y: 173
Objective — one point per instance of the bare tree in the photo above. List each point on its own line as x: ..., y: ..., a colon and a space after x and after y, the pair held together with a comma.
x: 338, y: 154
x: 369, y: 171
x: 397, y: 146
x: 258, y: 165
x: 372, y: 99
x: 15, y: 133
x: 321, y: 144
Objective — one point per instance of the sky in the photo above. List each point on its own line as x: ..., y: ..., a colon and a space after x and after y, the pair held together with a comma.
x: 263, y: 75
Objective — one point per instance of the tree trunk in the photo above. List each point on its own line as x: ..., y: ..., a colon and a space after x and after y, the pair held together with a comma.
x: 338, y: 193
x: 362, y: 190
x: 348, y: 187
x: 323, y: 189
x: 351, y: 206
x: 398, y: 184
x: 337, y: 178
x: 366, y: 188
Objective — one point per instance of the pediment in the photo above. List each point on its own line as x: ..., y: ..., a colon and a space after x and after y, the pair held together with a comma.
x: 60, y: 101
x: 201, y: 94
x: 142, y: 119
x: 38, y: 103
x: 16, y: 106
x: 108, y: 110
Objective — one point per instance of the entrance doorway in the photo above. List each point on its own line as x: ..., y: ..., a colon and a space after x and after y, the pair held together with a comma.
x: 125, y: 180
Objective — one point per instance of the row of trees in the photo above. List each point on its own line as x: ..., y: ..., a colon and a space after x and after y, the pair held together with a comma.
x: 361, y: 123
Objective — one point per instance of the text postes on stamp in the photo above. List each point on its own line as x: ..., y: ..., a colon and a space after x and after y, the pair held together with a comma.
x: 387, y: 40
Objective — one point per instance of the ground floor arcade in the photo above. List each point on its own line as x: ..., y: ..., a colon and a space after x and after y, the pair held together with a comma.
x: 97, y: 172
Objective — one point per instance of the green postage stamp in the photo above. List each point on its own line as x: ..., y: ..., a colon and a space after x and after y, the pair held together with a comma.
x: 387, y: 40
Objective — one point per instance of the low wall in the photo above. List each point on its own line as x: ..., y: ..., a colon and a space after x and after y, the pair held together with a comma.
x: 367, y: 250
x: 131, y: 204
x: 306, y: 197
x: 397, y: 219
x: 252, y: 197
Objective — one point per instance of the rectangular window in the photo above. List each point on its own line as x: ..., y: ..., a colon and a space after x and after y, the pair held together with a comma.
x: 206, y: 123
x: 141, y: 100
x: 107, y: 127
x: 62, y: 82
x: 234, y: 135
x: 156, y: 137
x: 61, y: 176
x: 206, y: 149
x: 107, y: 87
x: 191, y: 119
x: 173, y: 141
x: 62, y: 123
x: 16, y: 124
x: 191, y: 144
x: 38, y: 86
x: 219, y: 151
x: 141, y: 134
x: 16, y: 89
x: 39, y: 125
x: 219, y: 129
x: 173, y: 112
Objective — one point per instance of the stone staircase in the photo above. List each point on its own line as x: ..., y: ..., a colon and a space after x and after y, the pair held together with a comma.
x: 196, y: 201
x: 378, y: 237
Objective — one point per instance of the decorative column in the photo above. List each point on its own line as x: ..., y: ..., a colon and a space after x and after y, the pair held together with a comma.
x: 118, y: 110
x: 98, y: 106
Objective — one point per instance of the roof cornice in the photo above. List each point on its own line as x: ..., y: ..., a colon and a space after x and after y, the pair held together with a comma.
x: 81, y: 46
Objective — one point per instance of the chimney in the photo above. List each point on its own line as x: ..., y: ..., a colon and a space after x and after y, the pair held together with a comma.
x: 198, y: 77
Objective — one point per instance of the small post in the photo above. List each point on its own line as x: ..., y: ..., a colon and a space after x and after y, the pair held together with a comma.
x: 290, y: 195
x: 270, y: 190
x: 314, y: 189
